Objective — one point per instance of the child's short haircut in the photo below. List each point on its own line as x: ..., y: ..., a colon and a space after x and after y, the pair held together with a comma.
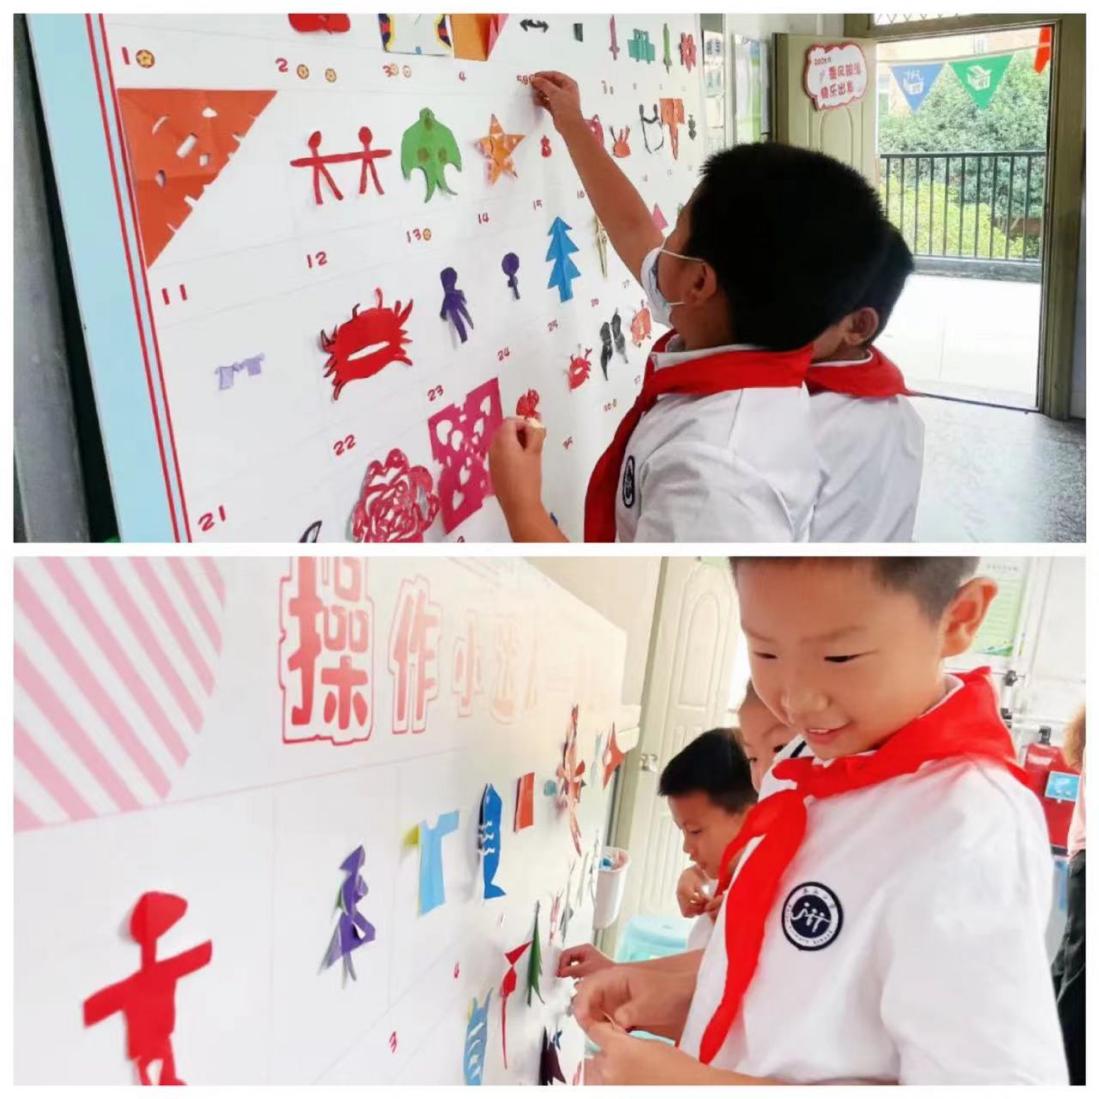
x: 713, y: 764
x: 934, y: 581
x: 885, y: 287
x: 793, y: 236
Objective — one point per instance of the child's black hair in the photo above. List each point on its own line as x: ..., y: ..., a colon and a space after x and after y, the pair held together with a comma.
x: 713, y: 764
x: 933, y: 581
x: 793, y: 236
x: 885, y: 287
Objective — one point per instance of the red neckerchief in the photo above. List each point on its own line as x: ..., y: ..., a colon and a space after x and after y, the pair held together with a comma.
x: 877, y: 377
x: 702, y: 377
x: 966, y: 726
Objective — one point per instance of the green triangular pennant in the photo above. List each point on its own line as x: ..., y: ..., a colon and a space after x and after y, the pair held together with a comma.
x: 981, y: 76
x: 534, y: 965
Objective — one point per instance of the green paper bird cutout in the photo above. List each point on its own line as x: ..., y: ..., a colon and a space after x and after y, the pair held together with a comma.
x: 534, y: 964
x: 430, y: 146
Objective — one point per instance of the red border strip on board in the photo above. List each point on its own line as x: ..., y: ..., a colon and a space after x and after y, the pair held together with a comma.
x: 130, y: 269
x: 145, y: 282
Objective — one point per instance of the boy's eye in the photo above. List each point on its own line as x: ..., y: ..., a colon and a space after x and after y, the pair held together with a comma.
x: 843, y: 659
x: 764, y: 656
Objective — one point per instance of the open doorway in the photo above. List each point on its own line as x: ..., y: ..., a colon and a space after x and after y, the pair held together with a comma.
x: 962, y: 138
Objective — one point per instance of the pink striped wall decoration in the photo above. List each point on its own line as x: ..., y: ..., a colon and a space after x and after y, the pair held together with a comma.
x: 115, y: 660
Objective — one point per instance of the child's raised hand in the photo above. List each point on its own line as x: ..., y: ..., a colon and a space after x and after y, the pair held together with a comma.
x: 515, y: 465
x: 581, y: 961
x: 559, y: 94
x: 690, y: 892
x: 635, y: 997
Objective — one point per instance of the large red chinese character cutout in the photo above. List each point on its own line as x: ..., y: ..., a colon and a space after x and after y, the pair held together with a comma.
x: 509, y: 647
x: 460, y: 437
x: 326, y: 652
x: 468, y: 678
x: 147, y: 998
x: 413, y: 655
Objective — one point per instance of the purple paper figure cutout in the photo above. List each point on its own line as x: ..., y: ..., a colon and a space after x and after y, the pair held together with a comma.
x: 353, y: 929
x: 253, y: 365
x: 147, y: 998
x: 510, y: 266
x: 454, y: 303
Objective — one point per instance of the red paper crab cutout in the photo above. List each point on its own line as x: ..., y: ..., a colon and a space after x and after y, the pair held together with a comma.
x: 527, y: 405
x: 366, y: 344
x: 579, y: 369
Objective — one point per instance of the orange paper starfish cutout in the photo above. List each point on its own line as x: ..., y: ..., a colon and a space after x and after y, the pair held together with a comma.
x: 497, y: 149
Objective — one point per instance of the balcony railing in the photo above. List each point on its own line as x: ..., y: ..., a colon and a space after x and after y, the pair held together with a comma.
x: 985, y: 208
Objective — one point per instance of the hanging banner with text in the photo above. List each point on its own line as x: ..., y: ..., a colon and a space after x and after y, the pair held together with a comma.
x: 916, y: 81
x: 981, y: 76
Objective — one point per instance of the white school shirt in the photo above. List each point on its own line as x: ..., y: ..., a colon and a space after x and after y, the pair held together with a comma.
x: 918, y: 955
x: 734, y: 467
x: 871, y: 453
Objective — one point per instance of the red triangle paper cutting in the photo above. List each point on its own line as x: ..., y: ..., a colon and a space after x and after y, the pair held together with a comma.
x: 507, y: 987
x: 612, y: 757
x: 179, y: 141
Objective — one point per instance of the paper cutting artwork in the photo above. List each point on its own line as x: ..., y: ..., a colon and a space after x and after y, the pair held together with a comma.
x: 492, y: 808
x: 510, y: 266
x: 640, y: 48
x: 312, y: 532
x: 460, y: 437
x: 415, y: 34
x: 667, y: 49
x: 569, y: 911
x: 366, y: 344
x: 534, y: 963
x: 524, y: 802
x: 497, y: 148
x: 596, y: 128
x: 352, y: 929
x: 570, y: 779
x: 397, y: 502
x: 473, y: 1057
x: 326, y: 618
x: 429, y: 146
x: 179, y: 142
x: 621, y: 142
x: 672, y: 116
x: 507, y: 986
x: 579, y: 369
x: 547, y: 148
x: 646, y: 122
x: 614, y: 47
x: 526, y: 407
x: 534, y: 25
x: 146, y: 998
x: 474, y: 36
x: 692, y: 132
x: 319, y: 163
x: 618, y: 336
x: 688, y: 51
x: 252, y: 367
x: 641, y: 326
x: 555, y: 916
x: 612, y: 757
x: 601, y: 243
x: 549, y: 1063
x: 432, y: 888
x: 560, y: 250
x: 606, y: 349
x: 455, y: 309
x: 333, y: 24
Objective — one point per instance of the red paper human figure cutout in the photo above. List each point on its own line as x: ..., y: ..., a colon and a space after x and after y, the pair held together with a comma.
x: 397, y: 502
x: 641, y: 327
x: 671, y: 114
x: 570, y: 779
x: 346, y: 347
x: 319, y: 163
x: 460, y: 437
x: 612, y: 757
x: 527, y: 405
x: 333, y: 24
x: 147, y: 998
x: 414, y: 655
x: 688, y: 52
x: 524, y: 802
x: 507, y: 986
x: 579, y: 369
x: 178, y: 143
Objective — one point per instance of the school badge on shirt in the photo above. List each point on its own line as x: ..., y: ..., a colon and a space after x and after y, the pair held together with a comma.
x: 812, y: 916
x: 627, y: 483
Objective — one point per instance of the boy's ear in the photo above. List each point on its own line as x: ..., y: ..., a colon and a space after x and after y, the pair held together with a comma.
x: 705, y: 284
x: 863, y: 325
x: 963, y: 617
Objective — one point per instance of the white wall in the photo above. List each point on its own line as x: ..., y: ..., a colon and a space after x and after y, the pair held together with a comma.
x: 622, y: 590
x: 756, y: 26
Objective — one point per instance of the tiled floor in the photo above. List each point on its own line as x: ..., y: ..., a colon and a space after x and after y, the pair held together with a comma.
x: 998, y: 475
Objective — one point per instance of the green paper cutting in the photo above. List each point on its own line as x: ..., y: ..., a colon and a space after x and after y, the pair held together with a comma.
x: 534, y: 965
x: 430, y: 146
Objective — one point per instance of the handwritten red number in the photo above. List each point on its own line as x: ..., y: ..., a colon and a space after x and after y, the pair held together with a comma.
x: 342, y: 445
x: 206, y: 522
x: 281, y: 64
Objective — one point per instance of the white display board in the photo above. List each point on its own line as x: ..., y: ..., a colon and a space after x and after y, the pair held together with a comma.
x: 271, y: 324
x: 166, y: 742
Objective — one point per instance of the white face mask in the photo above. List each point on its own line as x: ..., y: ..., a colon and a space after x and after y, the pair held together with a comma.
x: 659, y: 305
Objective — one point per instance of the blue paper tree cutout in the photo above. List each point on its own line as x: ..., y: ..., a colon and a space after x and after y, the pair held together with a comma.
x: 564, y: 270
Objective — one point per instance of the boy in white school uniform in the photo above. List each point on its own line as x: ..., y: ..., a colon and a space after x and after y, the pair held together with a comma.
x: 775, y: 245
x: 871, y: 448
x: 885, y: 923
